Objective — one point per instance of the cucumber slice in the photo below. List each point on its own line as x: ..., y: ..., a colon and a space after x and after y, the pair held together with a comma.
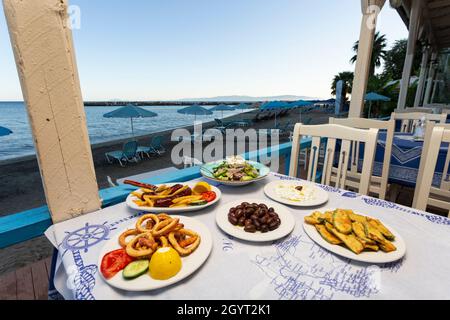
x: 247, y: 178
x: 198, y: 203
x: 135, y: 269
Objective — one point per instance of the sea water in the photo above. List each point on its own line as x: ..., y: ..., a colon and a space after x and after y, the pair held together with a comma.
x: 13, y: 116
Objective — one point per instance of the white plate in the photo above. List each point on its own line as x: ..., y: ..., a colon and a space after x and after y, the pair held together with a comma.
x: 133, y: 205
x: 190, y: 263
x: 366, y: 256
x: 320, y: 195
x: 285, y: 228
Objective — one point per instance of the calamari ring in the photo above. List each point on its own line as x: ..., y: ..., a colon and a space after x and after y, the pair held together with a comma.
x: 144, y: 218
x: 185, y: 251
x: 164, y: 227
x: 134, y: 252
x: 163, y: 242
x: 187, y: 242
x: 163, y: 216
x: 123, y: 237
x: 178, y: 227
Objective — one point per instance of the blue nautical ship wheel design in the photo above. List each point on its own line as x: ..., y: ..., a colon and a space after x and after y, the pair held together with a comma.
x: 86, y: 237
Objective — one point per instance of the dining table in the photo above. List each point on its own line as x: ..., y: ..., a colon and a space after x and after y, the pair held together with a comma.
x: 291, y: 268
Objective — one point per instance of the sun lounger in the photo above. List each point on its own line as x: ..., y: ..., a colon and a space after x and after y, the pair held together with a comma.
x: 127, y: 154
x: 155, y: 148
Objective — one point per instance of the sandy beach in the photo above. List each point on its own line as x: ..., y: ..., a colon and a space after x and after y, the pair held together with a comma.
x: 21, y: 187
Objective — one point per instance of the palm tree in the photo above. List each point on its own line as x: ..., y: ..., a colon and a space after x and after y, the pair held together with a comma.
x: 378, y: 53
x: 347, y: 78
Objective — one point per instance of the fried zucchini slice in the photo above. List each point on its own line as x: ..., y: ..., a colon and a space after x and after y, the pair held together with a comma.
x: 342, y: 222
x: 357, y: 217
x: 329, y: 237
x: 358, y: 229
x: 313, y: 218
x: 373, y: 233
x: 350, y: 241
x: 372, y: 247
x: 381, y: 227
x: 329, y: 226
x: 387, y: 246
x: 326, y: 217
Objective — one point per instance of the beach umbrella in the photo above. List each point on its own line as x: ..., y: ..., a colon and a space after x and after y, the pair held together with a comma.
x: 195, y: 110
x: 298, y: 105
x: 4, y: 131
x: 222, y: 107
x: 130, y: 111
x: 373, y: 96
x: 275, y: 106
x: 243, y: 106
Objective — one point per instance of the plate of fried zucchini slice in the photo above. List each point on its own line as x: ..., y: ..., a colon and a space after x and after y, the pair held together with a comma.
x: 354, y: 236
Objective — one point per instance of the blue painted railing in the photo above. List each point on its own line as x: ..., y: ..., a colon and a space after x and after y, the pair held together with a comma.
x: 23, y: 226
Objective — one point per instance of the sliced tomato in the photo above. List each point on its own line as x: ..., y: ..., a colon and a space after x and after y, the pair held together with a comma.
x: 209, y: 196
x: 113, y: 262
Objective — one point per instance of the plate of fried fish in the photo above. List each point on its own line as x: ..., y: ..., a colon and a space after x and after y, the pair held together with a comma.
x: 354, y: 236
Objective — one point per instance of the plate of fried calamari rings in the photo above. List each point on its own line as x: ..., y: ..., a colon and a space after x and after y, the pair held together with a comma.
x: 173, y: 240
x: 354, y: 236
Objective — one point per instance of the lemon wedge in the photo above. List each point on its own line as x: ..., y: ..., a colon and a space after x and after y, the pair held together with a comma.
x: 201, y: 187
x: 165, y: 264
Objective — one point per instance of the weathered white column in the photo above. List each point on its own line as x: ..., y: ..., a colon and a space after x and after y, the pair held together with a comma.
x: 44, y: 53
x: 414, y: 22
x: 433, y: 94
x: 431, y: 75
x: 422, y: 77
x: 370, y: 11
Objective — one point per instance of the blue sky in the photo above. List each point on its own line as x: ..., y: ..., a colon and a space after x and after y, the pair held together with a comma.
x: 173, y: 49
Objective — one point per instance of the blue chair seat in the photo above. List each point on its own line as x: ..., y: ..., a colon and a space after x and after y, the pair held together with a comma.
x: 155, y: 147
x: 143, y: 149
x: 128, y: 153
x: 115, y: 154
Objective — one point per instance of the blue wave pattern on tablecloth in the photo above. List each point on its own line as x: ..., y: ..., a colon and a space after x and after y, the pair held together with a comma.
x: 300, y: 269
x: 385, y: 204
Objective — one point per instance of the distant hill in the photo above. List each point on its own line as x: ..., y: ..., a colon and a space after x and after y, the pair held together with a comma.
x: 237, y: 98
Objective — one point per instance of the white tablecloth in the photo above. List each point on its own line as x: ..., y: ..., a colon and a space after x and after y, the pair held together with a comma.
x: 292, y: 268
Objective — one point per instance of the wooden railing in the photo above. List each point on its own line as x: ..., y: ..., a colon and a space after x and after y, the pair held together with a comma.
x: 26, y: 225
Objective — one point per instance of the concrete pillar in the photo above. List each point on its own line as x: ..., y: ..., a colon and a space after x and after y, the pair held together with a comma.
x: 431, y: 75
x: 414, y: 21
x: 422, y: 77
x: 370, y: 11
x: 44, y: 53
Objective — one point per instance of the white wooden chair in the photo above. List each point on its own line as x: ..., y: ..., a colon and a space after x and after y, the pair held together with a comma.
x: 378, y: 184
x: 425, y: 193
x: 335, y: 132
x: 415, y: 109
x: 410, y: 120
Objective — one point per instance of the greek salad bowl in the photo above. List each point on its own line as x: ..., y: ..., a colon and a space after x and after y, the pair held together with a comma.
x: 234, y: 171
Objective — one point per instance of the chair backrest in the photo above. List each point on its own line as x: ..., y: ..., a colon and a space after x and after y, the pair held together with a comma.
x: 334, y: 132
x: 362, y: 123
x: 130, y: 148
x: 425, y: 193
x: 410, y: 120
x: 415, y: 109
